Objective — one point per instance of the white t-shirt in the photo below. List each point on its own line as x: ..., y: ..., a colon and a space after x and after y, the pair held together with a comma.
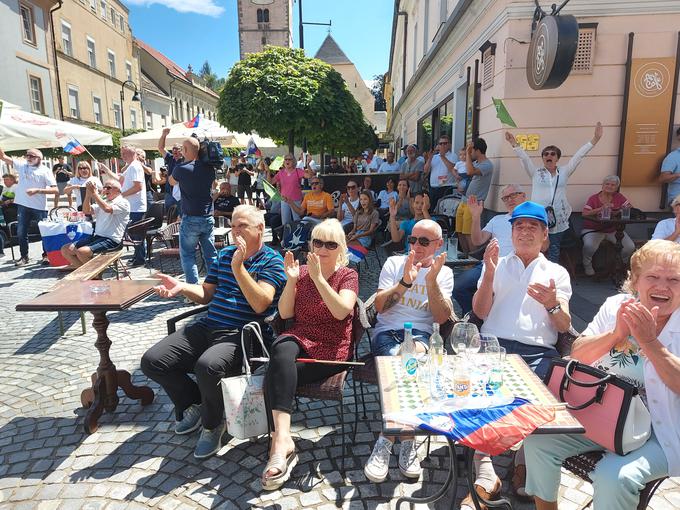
x: 516, y: 316
x: 500, y: 228
x: 312, y: 165
x: 80, y: 182
x: 664, y: 229
x: 384, y: 197
x: 348, y: 217
x: 388, y: 167
x: 374, y: 165
x: 439, y: 173
x: 630, y: 364
x: 32, y: 177
x: 176, y: 193
x: 112, y: 225
x: 413, y: 307
x: 461, y: 167
x: 135, y: 173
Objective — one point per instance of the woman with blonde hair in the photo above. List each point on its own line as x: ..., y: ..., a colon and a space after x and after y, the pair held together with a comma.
x: 319, y: 297
x: 635, y: 335
x: 79, y: 181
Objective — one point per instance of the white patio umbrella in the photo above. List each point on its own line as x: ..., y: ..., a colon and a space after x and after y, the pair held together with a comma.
x: 20, y: 130
x: 148, y: 140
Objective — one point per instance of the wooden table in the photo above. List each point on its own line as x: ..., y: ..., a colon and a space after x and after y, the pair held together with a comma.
x: 78, y: 296
x: 618, y: 272
x: 398, y: 395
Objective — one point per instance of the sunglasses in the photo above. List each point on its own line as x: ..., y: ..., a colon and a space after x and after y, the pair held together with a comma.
x: 315, y: 183
x: 550, y: 153
x: 83, y: 168
x: 422, y: 241
x: 109, y: 187
x: 352, y: 187
x: 329, y: 245
x: 31, y: 156
x: 511, y: 196
x: 288, y: 159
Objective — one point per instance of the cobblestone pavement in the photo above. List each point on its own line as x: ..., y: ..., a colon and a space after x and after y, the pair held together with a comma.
x: 135, y: 461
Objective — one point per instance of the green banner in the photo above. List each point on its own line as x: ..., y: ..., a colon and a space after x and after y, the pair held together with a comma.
x: 277, y: 163
x: 502, y: 113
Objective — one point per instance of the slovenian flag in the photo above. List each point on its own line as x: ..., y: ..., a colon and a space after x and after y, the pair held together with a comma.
x: 492, y: 430
x: 356, y: 253
x: 56, y: 234
x: 193, y: 122
x: 74, y: 147
x: 252, y: 148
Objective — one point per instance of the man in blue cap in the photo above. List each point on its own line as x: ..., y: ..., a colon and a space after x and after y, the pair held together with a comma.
x: 523, y: 299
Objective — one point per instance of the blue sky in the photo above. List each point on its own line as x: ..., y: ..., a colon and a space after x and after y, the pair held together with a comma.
x: 192, y: 31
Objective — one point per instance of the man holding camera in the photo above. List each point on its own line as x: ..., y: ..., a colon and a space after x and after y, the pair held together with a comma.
x: 170, y: 159
x: 195, y: 180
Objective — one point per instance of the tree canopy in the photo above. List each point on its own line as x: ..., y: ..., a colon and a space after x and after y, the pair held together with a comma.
x: 378, y: 93
x: 211, y: 80
x: 282, y: 94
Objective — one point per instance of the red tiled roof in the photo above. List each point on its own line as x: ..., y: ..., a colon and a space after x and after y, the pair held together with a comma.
x: 174, y: 69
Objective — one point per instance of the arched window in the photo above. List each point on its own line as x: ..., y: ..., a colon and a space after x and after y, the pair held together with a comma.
x: 189, y: 117
x: 265, y: 16
x: 260, y: 17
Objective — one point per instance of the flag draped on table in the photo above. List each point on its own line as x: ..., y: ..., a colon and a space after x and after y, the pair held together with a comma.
x: 252, y: 148
x: 502, y: 112
x: 193, y: 122
x: 491, y: 430
x: 74, y: 147
x: 356, y: 253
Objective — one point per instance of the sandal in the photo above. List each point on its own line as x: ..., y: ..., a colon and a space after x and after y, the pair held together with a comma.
x: 482, y: 493
x: 518, y: 482
x: 284, y: 465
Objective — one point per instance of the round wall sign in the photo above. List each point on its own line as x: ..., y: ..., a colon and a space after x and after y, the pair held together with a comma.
x: 552, y: 51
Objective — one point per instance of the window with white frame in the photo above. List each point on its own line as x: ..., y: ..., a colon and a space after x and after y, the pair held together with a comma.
x: 164, y: 120
x: 103, y: 9
x: 35, y: 86
x: 121, y: 19
x: 93, y: 5
x: 113, y: 17
x: 133, y: 118
x: 97, y: 109
x: 73, y: 102
x: 27, y: 24
x: 149, y: 120
x: 116, y: 115
x: 128, y: 70
x: 112, y: 63
x: 66, y: 44
x: 91, y: 53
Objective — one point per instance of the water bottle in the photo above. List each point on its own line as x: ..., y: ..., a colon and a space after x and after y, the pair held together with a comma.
x: 436, y: 360
x: 408, y: 353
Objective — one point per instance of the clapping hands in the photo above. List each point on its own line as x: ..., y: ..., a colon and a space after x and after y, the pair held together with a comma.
x: 291, y: 266
x: 411, y: 269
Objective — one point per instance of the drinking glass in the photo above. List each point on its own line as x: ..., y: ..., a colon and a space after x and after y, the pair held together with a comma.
x: 606, y: 213
x: 625, y: 212
x: 496, y: 374
x: 487, y: 343
x: 461, y: 336
x: 452, y: 249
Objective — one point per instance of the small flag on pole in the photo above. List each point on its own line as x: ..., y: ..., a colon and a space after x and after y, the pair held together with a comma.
x: 252, y: 148
x: 271, y: 191
x: 502, y: 113
x: 193, y: 122
x: 74, y: 147
x: 276, y: 164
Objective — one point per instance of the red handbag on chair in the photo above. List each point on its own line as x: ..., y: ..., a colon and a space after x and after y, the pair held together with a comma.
x: 609, y: 408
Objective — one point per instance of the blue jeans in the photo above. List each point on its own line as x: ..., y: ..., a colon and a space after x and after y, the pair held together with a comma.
x: 24, y: 217
x: 196, y: 230
x: 140, y: 250
x: 388, y: 343
x: 554, y: 248
x: 465, y: 286
x: 536, y: 356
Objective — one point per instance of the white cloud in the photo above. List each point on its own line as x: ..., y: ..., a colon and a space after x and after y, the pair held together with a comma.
x: 369, y: 83
x: 206, y: 7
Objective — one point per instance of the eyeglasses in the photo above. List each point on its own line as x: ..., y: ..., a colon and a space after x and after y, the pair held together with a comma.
x: 315, y: 183
x: 422, y: 241
x: 109, y: 187
x: 510, y: 196
x: 550, y: 153
x: 352, y: 187
x: 329, y: 245
x: 31, y: 156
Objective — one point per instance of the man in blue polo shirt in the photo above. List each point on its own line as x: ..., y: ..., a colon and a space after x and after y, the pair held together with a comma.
x: 243, y: 285
x: 195, y: 181
x: 670, y: 172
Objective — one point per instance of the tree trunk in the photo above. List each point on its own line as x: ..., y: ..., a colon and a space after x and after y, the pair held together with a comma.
x: 291, y: 142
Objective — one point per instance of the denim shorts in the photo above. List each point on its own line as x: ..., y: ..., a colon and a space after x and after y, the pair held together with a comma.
x: 388, y: 343
x: 98, y: 244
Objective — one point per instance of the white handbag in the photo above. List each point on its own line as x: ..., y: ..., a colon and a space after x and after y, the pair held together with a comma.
x: 244, y: 405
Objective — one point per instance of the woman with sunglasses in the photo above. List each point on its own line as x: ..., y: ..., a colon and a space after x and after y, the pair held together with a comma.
x: 320, y: 298
x: 288, y: 178
x: 549, y: 183
x: 79, y: 181
x: 366, y: 222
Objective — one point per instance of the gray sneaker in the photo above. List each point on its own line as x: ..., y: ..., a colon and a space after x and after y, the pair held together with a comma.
x: 191, y: 420
x: 210, y: 441
x: 21, y: 262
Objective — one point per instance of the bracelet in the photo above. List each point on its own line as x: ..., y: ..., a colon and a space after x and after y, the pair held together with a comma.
x: 554, y: 309
x: 407, y: 285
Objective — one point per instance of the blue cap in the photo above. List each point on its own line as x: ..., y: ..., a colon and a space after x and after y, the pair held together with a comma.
x: 530, y: 210
x: 408, y: 325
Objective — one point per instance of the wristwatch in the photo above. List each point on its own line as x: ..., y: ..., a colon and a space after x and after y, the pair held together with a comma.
x: 555, y: 309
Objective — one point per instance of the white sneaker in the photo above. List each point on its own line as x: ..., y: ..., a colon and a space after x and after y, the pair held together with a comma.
x: 379, y: 461
x: 409, y: 464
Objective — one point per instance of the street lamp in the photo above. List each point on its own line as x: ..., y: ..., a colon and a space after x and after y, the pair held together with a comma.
x: 135, y: 97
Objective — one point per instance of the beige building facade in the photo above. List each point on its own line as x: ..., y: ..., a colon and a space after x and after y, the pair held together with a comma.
x: 264, y: 22
x: 440, y: 46
x: 94, y: 58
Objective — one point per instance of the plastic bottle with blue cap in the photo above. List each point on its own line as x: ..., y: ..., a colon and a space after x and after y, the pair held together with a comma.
x: 409, y: 362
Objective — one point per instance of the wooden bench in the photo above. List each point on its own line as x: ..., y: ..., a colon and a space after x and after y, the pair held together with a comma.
x: 91, y: 270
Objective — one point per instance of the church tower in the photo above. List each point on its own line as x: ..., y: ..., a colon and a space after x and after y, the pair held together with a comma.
x: 264, y: 22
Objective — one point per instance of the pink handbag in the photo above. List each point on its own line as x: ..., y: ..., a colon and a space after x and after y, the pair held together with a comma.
x: 609, y: 408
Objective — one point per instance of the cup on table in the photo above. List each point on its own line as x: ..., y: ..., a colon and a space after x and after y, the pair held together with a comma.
x: 461, y: 336
x: 498, y: 355
x: 220, y: 221
x: 606, y: 213
x: 625, y: 212
x: 451, y: 249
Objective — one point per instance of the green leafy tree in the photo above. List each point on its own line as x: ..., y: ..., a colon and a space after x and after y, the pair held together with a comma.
x: 211, y: 80
x: 282, y: 94
x: 380, y: 104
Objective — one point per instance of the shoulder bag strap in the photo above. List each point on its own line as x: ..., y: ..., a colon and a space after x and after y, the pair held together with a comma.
x: 555, y: 190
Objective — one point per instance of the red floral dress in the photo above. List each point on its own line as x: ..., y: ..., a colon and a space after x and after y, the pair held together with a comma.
x: 320, y: 334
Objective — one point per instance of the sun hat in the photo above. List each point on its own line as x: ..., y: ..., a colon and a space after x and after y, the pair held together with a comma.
x: 530, y: 210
